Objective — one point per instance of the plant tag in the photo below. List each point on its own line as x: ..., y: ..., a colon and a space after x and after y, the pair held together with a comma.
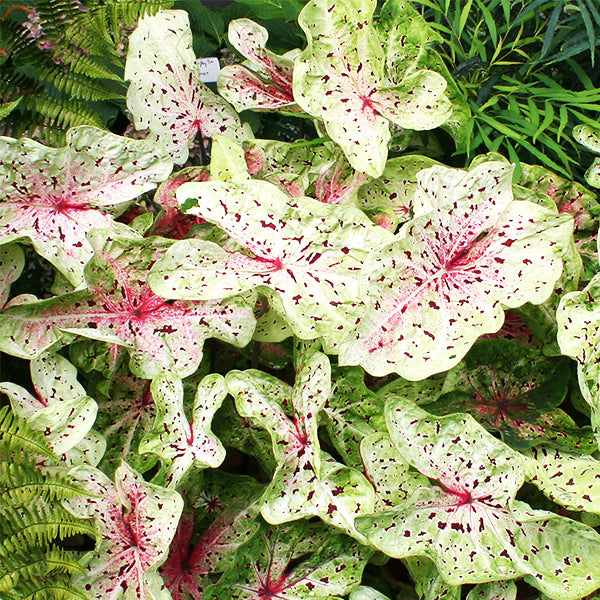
x: 209, y: 69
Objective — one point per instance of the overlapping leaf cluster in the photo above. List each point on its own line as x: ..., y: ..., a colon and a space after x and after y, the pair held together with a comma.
x: 305, y: 361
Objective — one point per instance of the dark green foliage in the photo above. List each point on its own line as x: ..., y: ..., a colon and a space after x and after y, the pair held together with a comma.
x: 33, y: 523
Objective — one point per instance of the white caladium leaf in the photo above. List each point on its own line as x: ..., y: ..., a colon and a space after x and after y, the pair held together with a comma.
x: 165, y: 94
x: 307, y: 481
x: 12, y: 261
x: 136, y: 521
x: 54, y: 196
x: 265, y: 81
x: 516, y: 392
x: 261, y: 570
x: 571, y: 480
x: 578, y: 319
x: 339, y: 78
x: 305, y: 256
x: 429, y: 585
x: 468, y: 522
x: 352, y: 411
x: 393, y: 479
x: 589, y: 137
x: 495, y: 590
x: 470, y: 251
x: 120, y: 308
x: 189, y: 566
x: 183, y: 444
x: 61, y: 408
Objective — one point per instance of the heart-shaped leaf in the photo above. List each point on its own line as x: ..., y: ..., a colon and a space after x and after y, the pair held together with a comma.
x: 12, y: 261
x: 61, y: 409
x: 307, y: 481
x: 120, y: 308
x: 308, y: 265
x: 589, y: 137
x: 470, y: 251
x: 339, y: 78
x: 515, y: 391
x: 261, y: 571
x: 165, y: 94
x: 182, y: 444
x: 469, y: 522
x: 136, y: 521
x: 55, y: 196
x: 265, y: 81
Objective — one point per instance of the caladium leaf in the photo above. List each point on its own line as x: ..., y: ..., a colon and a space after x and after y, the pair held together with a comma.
x: 470, y: 251
x: 429, y: 585
x: 171, y: 222
x: 261, y: 572
x: 339, y: 78
x: 54, y: 196
x: 589, y: 137
x: 265, y: 81
x: 12, y: 261
x: 165, y: 94
x: 516, y: 392
x: 495, y: 590
x: 568, y: 479
x: 469, y: 522
x: 307, y: 481
x: 61, y: 408
x: 338, y: 183
x: 188, y: 568
x: 308, y: 265
x: 119, y: 307
x: 351, y: 412
x: 136, y: 522
x: 393, y: 479
x: 179, y: 443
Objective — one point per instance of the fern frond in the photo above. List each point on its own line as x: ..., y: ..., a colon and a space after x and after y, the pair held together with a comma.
x: 14, y: 437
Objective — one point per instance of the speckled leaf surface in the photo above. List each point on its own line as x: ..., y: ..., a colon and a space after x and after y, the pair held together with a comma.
x: 165, y: 94
x: 429, y: 584
x: 261, y: 571
x: 514, y: 391
x: 264, y: 82
x: 351, y: 412
x: 119, y: 307
x: 180, y: 443
x: 444, y: 281
x: 136, y: 521
x: 304, y: 255
x: 306, y: 481
x: 393, y: 479
x: 569, y: 479
x: 339, y: 78
x: 60, y: 409
x: 468, y: 522
x: 234, y: 520
x: 589, y: 137
x: 12, y: 261
x: 495, y: 590
x: 54, y: 196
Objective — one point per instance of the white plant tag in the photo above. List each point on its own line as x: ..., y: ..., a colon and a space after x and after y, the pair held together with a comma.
x: 209, y: 69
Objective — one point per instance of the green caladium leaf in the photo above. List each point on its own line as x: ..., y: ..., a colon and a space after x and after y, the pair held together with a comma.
x: 429, y: 585
x: 166, y: 95
x: 351, y: 412
x: 568, y: 479
x: 180, y: 443
x: 233, y: 521
x: 392, y: 478
x: 419, y: 392
x: 60, y: 409
x: 227, y: 160
x: 308, y: 266
x: 54, y: 196
x: 495, y: 590
x: 264, y: 82
x: 261, y: 569
x: 119, y: 307
x: 468, y: 522
x: 589, y: 137
x: 470, y: 251
x: 307, y: 481
x: 12, y: 261
x: 339, y: 78
x: 136, y: 522
x: 514, y: 391
x: 363, y: 592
